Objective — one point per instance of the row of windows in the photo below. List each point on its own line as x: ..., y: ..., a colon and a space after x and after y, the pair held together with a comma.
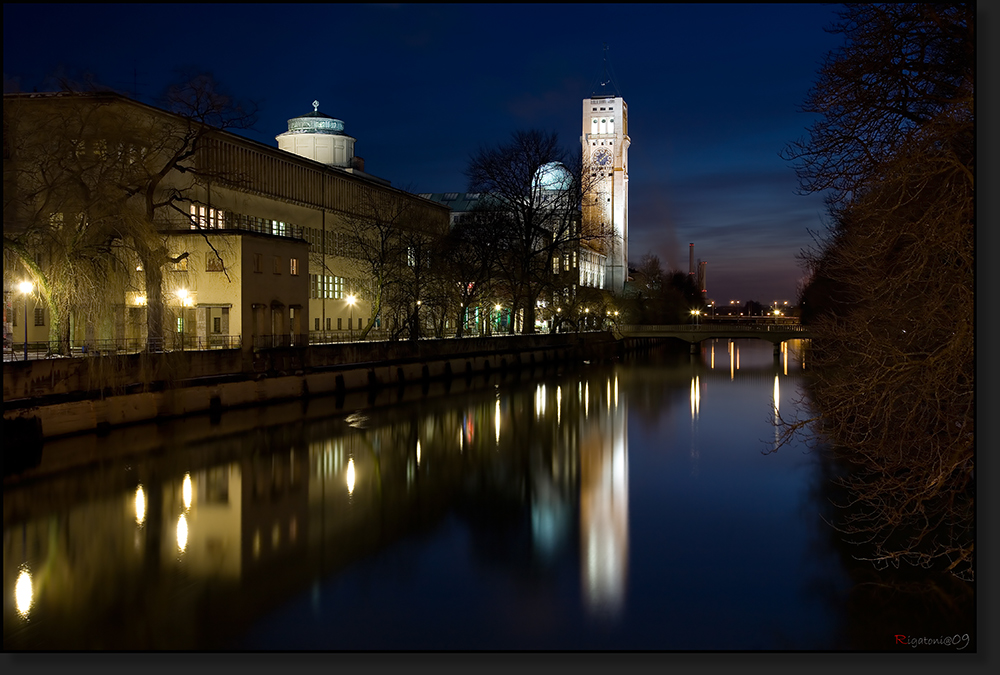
x: 568, y: 260
x: 207, y: 218
x: 340, y: 323
x: 326, y: 287
x: 602, y: 125
x: 213, y: 263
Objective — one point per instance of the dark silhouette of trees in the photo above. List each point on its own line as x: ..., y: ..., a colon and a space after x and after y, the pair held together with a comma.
x: 656, y: 296
x: 535, y: 193
x: 891, y: 298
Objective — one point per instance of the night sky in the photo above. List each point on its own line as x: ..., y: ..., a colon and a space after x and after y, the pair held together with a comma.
x: 713, y: 94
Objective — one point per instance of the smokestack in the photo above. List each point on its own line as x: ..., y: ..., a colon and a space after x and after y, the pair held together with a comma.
x: 691, y: 259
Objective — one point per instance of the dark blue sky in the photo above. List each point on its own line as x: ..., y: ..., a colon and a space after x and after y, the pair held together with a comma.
x: 713, y: 92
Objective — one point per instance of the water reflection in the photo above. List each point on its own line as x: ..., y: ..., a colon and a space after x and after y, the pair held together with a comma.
x: 218, y: 531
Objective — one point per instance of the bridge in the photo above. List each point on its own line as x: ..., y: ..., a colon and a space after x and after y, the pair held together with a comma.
x: 695, y: 334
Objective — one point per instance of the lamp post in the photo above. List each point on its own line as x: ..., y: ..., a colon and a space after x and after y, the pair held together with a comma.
x: 350, y: 301
x: 26, y: 287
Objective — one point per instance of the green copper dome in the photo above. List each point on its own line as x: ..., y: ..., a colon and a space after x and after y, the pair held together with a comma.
x: 315, y: 123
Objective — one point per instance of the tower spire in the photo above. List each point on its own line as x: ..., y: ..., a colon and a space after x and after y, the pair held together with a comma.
x: 604, y: 82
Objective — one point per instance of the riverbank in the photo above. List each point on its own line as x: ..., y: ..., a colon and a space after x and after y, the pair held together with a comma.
x: 50, y: 398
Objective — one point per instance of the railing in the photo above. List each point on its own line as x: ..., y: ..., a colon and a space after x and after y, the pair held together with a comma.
x: 46, y: 349
x: 715, y: 328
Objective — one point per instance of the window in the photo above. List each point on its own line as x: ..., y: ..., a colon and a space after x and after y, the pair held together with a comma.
x: 293, y: 266
x: 180, y: 324
x: 217, y: 324
x: 180, y: 266
x: 340, y: 323
x: 277, y: 264
x: 566, y: 261
x: 258, y: 263
x: 328, y: 323
x: 555, y: 264
x: 212, y: 262
x: 411, y: 256
x: 203, y: 218
x: 39, y: 316
x: 350, y: 321
x: 317, y: 323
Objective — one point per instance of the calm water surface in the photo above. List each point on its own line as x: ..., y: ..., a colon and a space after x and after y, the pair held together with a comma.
x: 625, y: 506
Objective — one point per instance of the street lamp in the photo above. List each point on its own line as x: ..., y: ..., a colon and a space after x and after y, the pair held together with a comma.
x: 26, y: 287
x: 350, y: 301
x: 695, y: 313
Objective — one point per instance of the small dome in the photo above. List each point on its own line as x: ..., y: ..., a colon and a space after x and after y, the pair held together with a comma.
x: 553, y: 176
x: 315, y: 123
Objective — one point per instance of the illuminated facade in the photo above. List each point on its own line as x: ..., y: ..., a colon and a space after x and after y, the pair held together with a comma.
x: 605, y: 144
x: 268, y: 257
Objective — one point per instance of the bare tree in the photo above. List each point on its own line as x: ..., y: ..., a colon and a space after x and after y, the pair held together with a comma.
x: 391, y: 240
x: 892, y: 294
x: 535, y: 193
x: 93, y: 179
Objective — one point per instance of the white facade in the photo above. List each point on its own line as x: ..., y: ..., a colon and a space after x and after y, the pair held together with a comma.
x: 605, y: 144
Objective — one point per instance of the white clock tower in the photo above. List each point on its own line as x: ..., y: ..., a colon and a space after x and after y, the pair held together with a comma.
x: 605, y: 144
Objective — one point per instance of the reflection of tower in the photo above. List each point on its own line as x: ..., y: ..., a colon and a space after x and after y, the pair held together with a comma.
x: 604, y: 502
x: 605, y: 144
x: 702, y: 271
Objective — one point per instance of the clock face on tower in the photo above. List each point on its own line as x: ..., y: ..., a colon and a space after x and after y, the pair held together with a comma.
x: 602, y: 157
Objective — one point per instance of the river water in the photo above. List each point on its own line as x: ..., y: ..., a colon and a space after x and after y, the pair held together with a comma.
x: 625, y: 506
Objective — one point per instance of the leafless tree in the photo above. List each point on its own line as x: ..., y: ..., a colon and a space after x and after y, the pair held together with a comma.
x: 391, y: 240
x: 535, y: 191
x: 892, y: 293
x: 91, y: 182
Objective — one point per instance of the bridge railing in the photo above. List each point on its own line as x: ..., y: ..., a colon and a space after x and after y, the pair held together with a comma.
x: 712, y: 328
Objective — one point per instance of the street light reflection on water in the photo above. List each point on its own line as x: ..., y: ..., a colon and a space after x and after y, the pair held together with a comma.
x: 609, y: 518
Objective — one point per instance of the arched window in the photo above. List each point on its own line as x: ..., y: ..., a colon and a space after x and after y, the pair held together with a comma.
x: 611, y: 125
x: 603, y: 128
x: 593, y: 125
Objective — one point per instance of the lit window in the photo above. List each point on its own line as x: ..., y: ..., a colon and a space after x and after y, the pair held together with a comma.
x: 180, y: 265
x: 293, y: 266
x: 212, y: 262
x: 39, y: 316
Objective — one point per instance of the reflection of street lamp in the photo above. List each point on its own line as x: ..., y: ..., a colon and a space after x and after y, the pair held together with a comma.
x: 182, y: 295
x: 350, y: 301
x: 26, y: 287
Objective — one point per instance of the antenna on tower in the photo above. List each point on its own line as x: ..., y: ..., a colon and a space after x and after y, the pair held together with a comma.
x: 605, y: 79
